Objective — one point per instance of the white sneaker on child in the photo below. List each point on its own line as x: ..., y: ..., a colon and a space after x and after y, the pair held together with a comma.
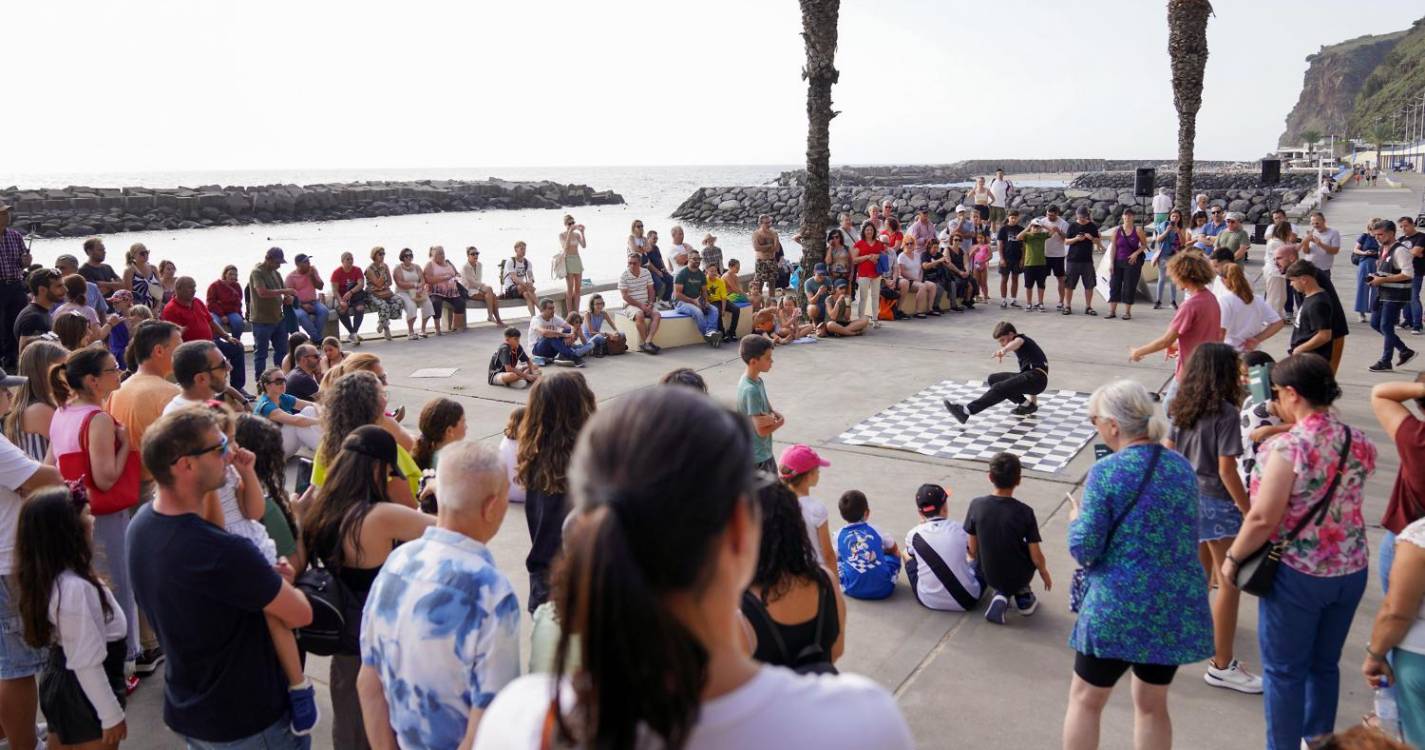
x: 1234, y: 677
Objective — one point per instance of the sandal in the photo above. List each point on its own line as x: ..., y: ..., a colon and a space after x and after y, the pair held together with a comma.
x: 1110, y: 316
x: 1128, y: 316
x: 1091, y: 311
x: 1068, y: 311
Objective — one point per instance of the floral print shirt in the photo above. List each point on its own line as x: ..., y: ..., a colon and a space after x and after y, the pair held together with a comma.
x: 1337, y: 546
x: 1146, y: 600
x: 441, y: 629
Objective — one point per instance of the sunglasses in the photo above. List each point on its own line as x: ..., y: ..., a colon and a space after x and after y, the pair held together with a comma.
x: 221, y: 448
x: 276, y: 381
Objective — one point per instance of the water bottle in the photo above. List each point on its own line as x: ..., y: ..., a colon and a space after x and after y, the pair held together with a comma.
x: 1387, y: 713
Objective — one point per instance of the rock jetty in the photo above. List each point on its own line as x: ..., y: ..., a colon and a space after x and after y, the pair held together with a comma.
x: 81, y: 211
x: 968, y: 170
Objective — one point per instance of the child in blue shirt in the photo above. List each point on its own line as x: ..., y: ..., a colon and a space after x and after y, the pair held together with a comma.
x: 867, y: 559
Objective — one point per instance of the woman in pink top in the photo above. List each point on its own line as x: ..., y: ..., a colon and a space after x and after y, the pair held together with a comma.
x: 1197, y: 321
x: 80, y: 385
x: 443, y: 278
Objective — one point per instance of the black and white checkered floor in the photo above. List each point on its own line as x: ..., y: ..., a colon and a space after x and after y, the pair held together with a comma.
x: 1045, y: 441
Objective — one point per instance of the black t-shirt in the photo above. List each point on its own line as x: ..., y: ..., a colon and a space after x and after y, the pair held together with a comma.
x: 1009, y: 247
x: 34, y: 320
x: 505, y: 356
x: 1080, y: 252
x: 1031, y: 357
x: 938, y: 273
x: 1340, y: 327
x: 203, y: 590
x: 96, y: 274
x: 1004, y: 528
x: 1413, y: 241
x: 301, y: 385
x: 1312, y: 315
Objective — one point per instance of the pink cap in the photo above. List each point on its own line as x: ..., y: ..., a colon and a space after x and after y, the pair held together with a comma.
x: 799, y: 459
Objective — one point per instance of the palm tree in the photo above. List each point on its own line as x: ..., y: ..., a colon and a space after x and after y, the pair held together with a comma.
x: 1311, y: 138
x: 1380, y: 134
x: 819, y: 19
x: 1187, y: 47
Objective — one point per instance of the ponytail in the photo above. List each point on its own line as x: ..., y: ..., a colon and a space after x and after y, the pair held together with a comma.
x: 66, y: 379
x: 628, y: 641
x: 1236, y: 282
x: 59, y: 384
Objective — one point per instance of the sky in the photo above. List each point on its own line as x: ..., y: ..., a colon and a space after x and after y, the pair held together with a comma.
x: 183, y: 85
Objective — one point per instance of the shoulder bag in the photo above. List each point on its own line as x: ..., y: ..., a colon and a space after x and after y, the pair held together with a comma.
x: 123, y: 494
x: 1256, y: 573
x: 335, y: 628
x: 1079, y: 584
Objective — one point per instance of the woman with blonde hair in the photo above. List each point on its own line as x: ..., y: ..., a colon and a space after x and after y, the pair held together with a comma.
x: 381, y: 293
x: 141, y: 277
x: 367, y: 362
x: 443, y: 278
x: 1247, y: 319
x: 168, y: 279
x: 414, y: 293
x: 27, y: 423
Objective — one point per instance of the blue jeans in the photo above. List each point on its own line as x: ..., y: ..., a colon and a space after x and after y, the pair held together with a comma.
x: 1387, y: 559
x: 706, y: 322
x: 584, y: 349
x: 1412, y: 313
x: 263, y: 336
x: 662, y: 286
x: 1365, y: 293
x: 1163, y: 281
x: 276, y: 737
x: 1301, y: 626
x: 1383, y: 321
x: 1410, y: 694
x: 17, y: 658
x: 314, y: 323
x: 233, y: 321
x: 550, y: 346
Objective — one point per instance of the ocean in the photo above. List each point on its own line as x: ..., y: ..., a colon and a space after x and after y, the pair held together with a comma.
x: 652, y: 193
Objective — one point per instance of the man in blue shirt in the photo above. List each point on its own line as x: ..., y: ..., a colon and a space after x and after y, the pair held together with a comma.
x: 440, y: 632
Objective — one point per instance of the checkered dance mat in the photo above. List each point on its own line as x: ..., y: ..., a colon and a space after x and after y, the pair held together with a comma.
x: 1045, y: 441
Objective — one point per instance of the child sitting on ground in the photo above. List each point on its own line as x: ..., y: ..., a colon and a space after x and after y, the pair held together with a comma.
x: 1004, y: 541
x: 764, y: 323
x: 801, y: 471
x: 510, y: 364
x: 790, y: 325
x: 867, y: 558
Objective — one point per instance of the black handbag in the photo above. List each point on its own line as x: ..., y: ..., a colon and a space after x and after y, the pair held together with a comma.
x: 1256, y: 573
x: 1079, y: 583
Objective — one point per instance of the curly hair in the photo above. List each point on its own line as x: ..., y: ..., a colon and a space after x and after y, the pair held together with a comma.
x: 559, y: 405
x: 359, y: 362
x: 786, y: 554
x: 352, y: 401
x: 264, y: 438
x: 1212, y: 375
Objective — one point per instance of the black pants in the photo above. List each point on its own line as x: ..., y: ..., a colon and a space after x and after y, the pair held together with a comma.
x: 1123, y: 282
x: 730, y: 314
x: 545, y: 516
x: 13, y: 299
x: 1010, y: 386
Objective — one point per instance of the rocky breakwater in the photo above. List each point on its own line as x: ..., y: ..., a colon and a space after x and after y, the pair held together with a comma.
x: 968, y: 170
x: 83, y: 211
x: 742, y: 205
x: 1237, y: 180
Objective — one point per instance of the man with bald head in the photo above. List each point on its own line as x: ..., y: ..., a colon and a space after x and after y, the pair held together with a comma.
x: 190, y: 313
x: 426, y: 677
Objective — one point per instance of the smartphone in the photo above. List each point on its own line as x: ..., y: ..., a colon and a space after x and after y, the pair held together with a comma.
x: 1259, y: 382
x: 1101, y: 451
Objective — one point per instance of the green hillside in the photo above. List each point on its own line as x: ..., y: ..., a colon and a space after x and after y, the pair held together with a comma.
x: 1399, y: 76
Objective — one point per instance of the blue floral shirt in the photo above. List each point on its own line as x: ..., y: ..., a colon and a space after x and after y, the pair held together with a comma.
x: 1147, y: 598
x: 441, y: 629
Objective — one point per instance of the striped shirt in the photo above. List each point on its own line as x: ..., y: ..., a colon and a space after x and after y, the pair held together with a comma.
x: 12, y: 249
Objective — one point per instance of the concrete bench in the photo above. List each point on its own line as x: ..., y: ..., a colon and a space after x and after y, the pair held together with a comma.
x: 678, y: 329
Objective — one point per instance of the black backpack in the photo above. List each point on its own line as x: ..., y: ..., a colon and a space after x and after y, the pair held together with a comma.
x: 336, y: 613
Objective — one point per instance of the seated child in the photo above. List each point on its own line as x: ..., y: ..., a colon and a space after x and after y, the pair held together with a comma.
x: 839, y: 321
x: 1004, y: 541
x: 936, y: 552
x: 867, y: 558
x: 790, y: 325
x: 728, y: 312
x: 764, y: 323
x: 734, y: 284
x: 510, y: 364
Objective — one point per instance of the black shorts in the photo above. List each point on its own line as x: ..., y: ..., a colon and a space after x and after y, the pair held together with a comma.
x: 1104, y: 673
x: 1035, y: 276
x: 1011, y: 264
x: 1056, y: 266
x: 1081, y: 271
x: 511, y: 293
x: 983, y: 211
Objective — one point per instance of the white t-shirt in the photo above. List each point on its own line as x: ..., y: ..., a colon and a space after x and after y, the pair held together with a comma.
x: 1243, y: 320
x: 1318, y: 257
x: 814, y: 515
x: 1414, y: 640
x: 537, y: 325
x: 509, y: 456
x: 179, y: 402
x: 776, y: 708
x: 1162, y: 204
x: 15, y: 469
x: 1269, y: 259
x: 1054, y: 246
x: 949, y: 540
x: 470, y: 273
x: 909, y: 264
x: 636, y: 286
x: 1000, y: 190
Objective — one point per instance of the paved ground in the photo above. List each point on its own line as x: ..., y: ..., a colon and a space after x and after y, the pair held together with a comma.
x: 961, y: 681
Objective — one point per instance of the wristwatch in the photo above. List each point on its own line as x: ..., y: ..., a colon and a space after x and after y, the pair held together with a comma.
x: 1374, y: 655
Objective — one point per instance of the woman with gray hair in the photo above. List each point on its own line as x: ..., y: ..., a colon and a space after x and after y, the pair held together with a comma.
x: 1144, y: 601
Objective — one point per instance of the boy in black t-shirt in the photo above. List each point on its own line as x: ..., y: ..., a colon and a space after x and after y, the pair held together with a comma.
x: 1004, y: 542
x: 1011, y: 260
x: 510, y: 364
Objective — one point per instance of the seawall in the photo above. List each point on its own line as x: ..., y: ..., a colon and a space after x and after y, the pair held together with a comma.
x: 80, y: 211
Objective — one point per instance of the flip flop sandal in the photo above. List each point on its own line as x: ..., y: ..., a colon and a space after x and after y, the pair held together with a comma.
x: 1128, y: 316
x: 1091, y: 311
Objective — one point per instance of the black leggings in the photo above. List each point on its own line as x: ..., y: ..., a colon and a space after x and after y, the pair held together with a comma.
x: 1104, y: 673
x: 544, y: 514
x: 729, y: 318
x: 1123, y: 282
x: 1010, y: 386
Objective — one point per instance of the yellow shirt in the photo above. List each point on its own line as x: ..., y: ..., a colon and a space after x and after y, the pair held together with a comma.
x: 404, y: 463
x: 717, y: 289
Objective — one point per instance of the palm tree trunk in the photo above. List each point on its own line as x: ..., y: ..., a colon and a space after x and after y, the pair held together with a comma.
x: 1187, y: 48
x: 819, y: 19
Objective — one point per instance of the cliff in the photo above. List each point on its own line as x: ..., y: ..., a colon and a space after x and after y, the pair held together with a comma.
x: 1334, y: 77
x: 1399, y: 76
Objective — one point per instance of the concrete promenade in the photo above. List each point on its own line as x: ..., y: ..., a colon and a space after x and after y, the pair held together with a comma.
x: 961, y: 681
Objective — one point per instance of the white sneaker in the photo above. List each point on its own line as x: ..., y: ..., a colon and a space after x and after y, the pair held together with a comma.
x: 1003, y: 304
x: 1234, y: 677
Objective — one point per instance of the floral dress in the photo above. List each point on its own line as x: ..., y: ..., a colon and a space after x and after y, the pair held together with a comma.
x: 1146, y: 601
x: 1336, y: 547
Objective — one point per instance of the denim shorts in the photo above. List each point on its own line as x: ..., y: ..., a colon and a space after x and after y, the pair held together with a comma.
x: 1217, y: 518
x: 17, y: 659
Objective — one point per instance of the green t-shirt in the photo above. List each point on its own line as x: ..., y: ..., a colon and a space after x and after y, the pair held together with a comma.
x: 277, y: 528
x: 752, y: 401
x: 1231, y: 240
x: 692, y: 281
x: 1034, y: 248
x: 265, y: 310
